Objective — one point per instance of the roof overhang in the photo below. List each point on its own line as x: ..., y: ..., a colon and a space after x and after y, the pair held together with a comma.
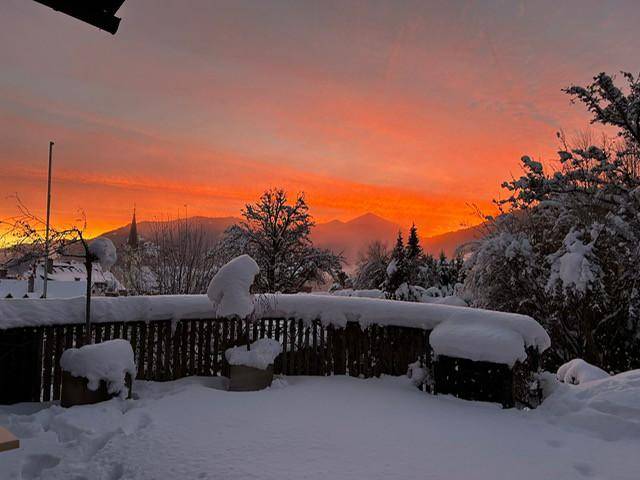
x: 99, y: 13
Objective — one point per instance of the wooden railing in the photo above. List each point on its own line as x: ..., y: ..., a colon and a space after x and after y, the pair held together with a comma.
x: 30, y: 356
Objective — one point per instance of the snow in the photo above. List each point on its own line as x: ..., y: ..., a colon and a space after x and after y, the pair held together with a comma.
x: 109, y: 361
x: 573, y: 267
x: 349, y: 292
x: 416, y: 373
x: 608, y: 408
x: 424, y: 295
x: 261, y: 354
x: 55, y: 311
x: 13, y: 287
x: 327, y: 309
x: 319, y: 428
x: 104, y: 251
x: 229, y: 290
x: 478, y: 341
x: 578, y: 371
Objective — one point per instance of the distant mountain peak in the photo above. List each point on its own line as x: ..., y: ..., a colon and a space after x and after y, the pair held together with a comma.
x: 370, y: 218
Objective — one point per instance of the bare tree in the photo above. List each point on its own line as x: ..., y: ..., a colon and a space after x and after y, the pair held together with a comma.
x: 181, y: 257
x: 276, y: 234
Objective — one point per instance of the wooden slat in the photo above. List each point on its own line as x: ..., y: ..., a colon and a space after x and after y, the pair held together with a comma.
x: 285, y: 355
x: 78, y: 334
x: 176, y: 367
x: 192, y: 346
x: 142, y: 357
x: 168, y: 351
x: 151, y: 334
x: 314, y: 366
x: 107, y: 332
x: 36, y: 392
x: 97, y: 327
x: 216, y: 333
x: 57, y: 370
x: 134, y: 342
x: 206, y: 364
x: 307, y: 348
x: 201, y: 341
x: 184, y: 348
x: 292, y: 347
x: 117, y: 327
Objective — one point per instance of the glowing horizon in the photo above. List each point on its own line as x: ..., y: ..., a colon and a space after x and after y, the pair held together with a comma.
x: 411, y: 112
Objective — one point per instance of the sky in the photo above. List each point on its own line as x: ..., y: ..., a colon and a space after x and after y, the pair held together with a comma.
x: 412, y: 110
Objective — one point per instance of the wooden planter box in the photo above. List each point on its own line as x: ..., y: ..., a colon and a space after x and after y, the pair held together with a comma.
x: 249, y: 379
x: 76, y: 392
x: 487, y: 381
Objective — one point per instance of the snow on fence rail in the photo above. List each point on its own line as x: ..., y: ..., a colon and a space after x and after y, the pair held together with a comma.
x: 495, y: 327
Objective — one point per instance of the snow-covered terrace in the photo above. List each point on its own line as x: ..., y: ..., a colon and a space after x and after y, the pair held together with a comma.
x: 337, y: 427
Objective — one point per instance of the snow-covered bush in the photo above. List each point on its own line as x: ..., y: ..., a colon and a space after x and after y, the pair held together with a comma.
x: 104, y: 252
x: 230, y: 288
x: 578, y: 371
x: 108, y: 361
x: 567, y: 248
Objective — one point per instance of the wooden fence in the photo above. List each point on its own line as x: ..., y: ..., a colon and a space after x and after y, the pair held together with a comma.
x: 30, y: 356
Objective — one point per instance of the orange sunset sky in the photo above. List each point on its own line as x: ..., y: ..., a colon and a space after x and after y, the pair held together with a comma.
x: 408, y: 109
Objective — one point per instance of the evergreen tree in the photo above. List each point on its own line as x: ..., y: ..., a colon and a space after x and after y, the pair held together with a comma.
x: 413, y: 255
x: 397, y: 269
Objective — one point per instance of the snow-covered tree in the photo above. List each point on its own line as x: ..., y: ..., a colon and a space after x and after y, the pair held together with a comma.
x: 396, y: 272
x: 413, y: 256
x: 371, y: 267
x: 276, y: 234
x: 577, y: 263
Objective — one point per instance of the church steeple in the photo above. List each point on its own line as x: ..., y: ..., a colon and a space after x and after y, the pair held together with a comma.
x: 133, y: 232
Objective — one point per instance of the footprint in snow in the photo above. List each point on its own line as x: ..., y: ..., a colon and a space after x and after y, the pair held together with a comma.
x: 34, y: 465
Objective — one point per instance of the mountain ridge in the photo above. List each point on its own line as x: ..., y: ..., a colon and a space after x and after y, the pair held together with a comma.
x: 348, y: 238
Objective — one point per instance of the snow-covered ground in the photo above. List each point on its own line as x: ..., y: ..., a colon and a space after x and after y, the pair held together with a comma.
x: 329, y: 428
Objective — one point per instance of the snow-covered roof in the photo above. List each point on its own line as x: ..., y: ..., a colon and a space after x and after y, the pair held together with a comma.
x: 327, y: 309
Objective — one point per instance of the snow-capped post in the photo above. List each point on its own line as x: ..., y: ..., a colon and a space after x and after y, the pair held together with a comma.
x: 103, y: 251
x: 230, y: 293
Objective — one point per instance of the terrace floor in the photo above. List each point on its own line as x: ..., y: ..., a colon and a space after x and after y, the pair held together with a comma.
x: 318, y: 428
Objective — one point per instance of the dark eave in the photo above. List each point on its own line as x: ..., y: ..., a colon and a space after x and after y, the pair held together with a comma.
x: 99, y: 13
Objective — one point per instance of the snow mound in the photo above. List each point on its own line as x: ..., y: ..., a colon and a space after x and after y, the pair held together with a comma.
x: 416, y: 373
x: 578, y: 371
x: 104, y: 251
x: 262, y: 354
x: 609, y: 407
x: 229, y: 290
x: 109, y: 361
x: 452, y: 300
x: 478, y: 341
x: 349, y: 292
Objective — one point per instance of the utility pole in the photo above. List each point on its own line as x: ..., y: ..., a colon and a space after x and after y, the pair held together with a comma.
x: 46, y: 235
